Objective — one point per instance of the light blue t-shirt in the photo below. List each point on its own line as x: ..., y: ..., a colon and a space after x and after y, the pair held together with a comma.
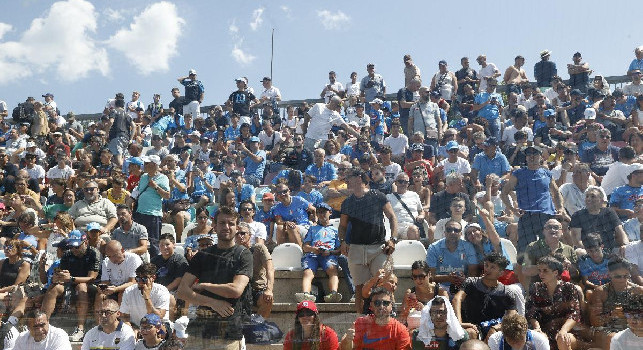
x: 255, y: 168
x: 322, y: 236
x: 444, y: 261
x: 149, y: 200
x: 595, y: 273
x: 295, y: 212
x: 489, y: 111
x: 314, y: 197
x: 176, y: 194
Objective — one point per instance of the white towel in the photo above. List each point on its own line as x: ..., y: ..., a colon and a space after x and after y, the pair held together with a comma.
x: 454, y: 329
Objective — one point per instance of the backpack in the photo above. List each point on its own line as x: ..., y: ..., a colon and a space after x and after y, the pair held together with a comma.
x: 23, y: 113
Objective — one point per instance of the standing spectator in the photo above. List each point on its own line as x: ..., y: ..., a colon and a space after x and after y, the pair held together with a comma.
x: 578, y: 73
x: 538, y: 198
x: 406, y: 98
x: 635, y: 88
x: 466, y: 76
x: 4, y: 111
x: 515, y: 76
x: 133, y: 108
x: 445, y: 82
x: 152, y: 189
x: 121, y: 132
x: 241, y: 99
x: 545, y: 70
x: 636, y: 63
x: 50, y: 106
x: 379, y: 330
x: 270, y: 95
x: 365, y: 244
x: 309, y: 332
x: 333, y: 88
x: 490, y: 161
x: 41, y: 335
x: 111, y: 332
x: 193, y: 94
x: 489, y: 105
x: 424, y: 117
x: 487, y: 71
x: 319, y: 120
x: 411, y: 71
x: 223, y: 271
x: 372, y: 86
x: 145, y: 297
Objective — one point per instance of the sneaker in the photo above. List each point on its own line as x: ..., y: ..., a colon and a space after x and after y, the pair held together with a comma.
x: 352, y: 299
x: 77, y: 336
x: 310, y: 297
x: 304, y: 296
x: 333, y: 297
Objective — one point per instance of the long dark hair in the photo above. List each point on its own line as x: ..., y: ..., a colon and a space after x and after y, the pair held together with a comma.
x: 298, y: 334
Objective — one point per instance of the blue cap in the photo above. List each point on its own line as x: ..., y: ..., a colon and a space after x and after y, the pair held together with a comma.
x: 152, y: 319
x: 323, y: 205
x: 254, y: 139
x: 452, y: 145
x: 93, y: 226
x: 76, y: 238
x: 549, y: 113
x: 136, y: 160
x: 62, y: 244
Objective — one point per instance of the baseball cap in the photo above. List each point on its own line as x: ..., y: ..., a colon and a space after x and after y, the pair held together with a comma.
x: 76, y: 238
x: 268, y: 195
x: 417, y: 147
x: 307, y: 304
x: 452, y: 145
x: 136, y: 161
x: 195, y: 133
x: 435, y: 93
x: 442, y: 62
x: 377, y: 100
x: 254, y: 139
x: 590, y: 113
x: 152, y: 159
x: 576, y: 92
x: 632, y: 168
x: 205, y: 236
x: 31, y: 144
x: 265, y: 79
x: 492, y: 141
x: 243, y: 79
x: 152, y: 319
x: 62, y: 244
x: 92, y: 226
x: 192, y: 71
x: 323, y: 205
x: 49, y: 94
x: 473, y: 224
x: 545, y: 53
x: 235, y: 173
x: 359, y: 105
x: 532, y: 149
x: 549, y: 113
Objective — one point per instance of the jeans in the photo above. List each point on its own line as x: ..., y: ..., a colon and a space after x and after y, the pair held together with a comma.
x: 342, y: 261
x: 153, y: 225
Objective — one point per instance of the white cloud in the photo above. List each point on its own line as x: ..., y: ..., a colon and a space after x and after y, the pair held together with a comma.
x: 331, y: 20
x: 60, y: 40
x: 287, y: 11
x: 151, y: 39
x: 4, y: 28
x: 233, y: 28
x: 113, y: 15
x: 256, y: 18
x: 241, y: 56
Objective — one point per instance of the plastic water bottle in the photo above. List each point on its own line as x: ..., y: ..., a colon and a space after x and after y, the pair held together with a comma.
x: 192, y: 312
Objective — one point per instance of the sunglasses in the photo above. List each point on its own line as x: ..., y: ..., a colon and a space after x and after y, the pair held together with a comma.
x: 305, y: 313
x: 142, y: 279
x: 9, y: 247
x: 452, y: 230
x: 282, y: 192
x: 620, y: 277
x: 247, y: 209
x: 106, y: 312
x: 379, y: 303
x: 419, y: 277
x: 242, y: 233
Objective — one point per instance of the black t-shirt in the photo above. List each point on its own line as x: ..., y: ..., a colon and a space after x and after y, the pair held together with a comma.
x: 405, y: 95
x: 365, y: 217
x: 122, y: 124
x: 178, y: 150
x: 519, y: 160
x: 441, y: 204
x: 177, y: 104
x: 385, y: 187
x: 220, y: 266
x: 241, y: 102
x: 484, y: 304
x: 604, y: 223
x: 81, y: 266
x: 170, y: 269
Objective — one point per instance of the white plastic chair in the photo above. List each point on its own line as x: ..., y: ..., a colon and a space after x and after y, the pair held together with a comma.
x: 187, y: 229
x: 168, y: 228
x: 510, y: 249
x: 287, y: 257
x: 335, y: 223
x: 178, y: 248
x: 407, y: 252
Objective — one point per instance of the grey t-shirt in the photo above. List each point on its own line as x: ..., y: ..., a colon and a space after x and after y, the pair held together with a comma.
x: 129, y: 240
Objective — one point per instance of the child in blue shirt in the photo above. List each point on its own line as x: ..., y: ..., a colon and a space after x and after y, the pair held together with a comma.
x: 321, y: 247
x: 593, y: 265
x: 377, y: 121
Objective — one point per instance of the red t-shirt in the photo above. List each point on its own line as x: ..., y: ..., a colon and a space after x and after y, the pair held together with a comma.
x: 369, y: 335
x: 132, y: 182
x: 328, y: 340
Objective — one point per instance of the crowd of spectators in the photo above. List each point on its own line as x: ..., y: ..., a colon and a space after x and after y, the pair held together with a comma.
x: 151, y: 219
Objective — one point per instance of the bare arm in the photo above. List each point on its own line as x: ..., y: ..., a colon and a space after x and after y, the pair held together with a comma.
x: 392, y: 219
x: 228, y: 290
x: 504, y: 195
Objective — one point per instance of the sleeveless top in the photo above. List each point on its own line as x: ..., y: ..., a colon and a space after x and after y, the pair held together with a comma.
x: 9, y: 272
x: 615, y: 299
x: 436, y: 290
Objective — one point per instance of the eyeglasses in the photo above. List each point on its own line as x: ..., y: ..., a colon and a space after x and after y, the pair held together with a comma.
x: 379, y: 303
x: 242, y: 233
x: 305, y: 313
x: 202, y: 217
x: 452, y: 230
x: 247, y: 209
x: 106, y: 312
x: 553, y: 227
x: 282, y: 192
x: 606, y: 137
x: 90, y: 189
x: 419, y: 277
x: 9, y: 247
x: 620, y: 277
x: 402, y: 182
x: 143, y: 279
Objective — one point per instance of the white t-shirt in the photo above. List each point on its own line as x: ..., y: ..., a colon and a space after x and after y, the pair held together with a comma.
x: 626, y: 340
x: 322, y: 120
x: 57, y: 173
x: 141, y: 346
x: 352, y: 89
x: 398, y: 144
x: 97, y: 339
x: 134, y: 305
x: 271, y: 93
x: 258, y: 231
x: 557, y: 171
x: 412, y: 201
x: 391, y: 171
x: 10, y: 339
x: 485, y: 72
x: 539, y: 340
x: 616, y: 176
x: 329, y: 93
x: 461, y: 166
x: 573, y: 197
x: 634, y: 254
x: 510, y: 131
x: 36, y: 173
x: 268, y: 140
x: 119, y: 274
x: 56, y: 339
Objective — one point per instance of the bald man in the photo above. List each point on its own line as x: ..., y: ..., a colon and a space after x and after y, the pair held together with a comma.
x: 118, y: 272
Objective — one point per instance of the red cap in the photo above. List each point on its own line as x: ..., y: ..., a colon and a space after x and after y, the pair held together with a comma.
x: 307, y: 304
x: 268, y: 195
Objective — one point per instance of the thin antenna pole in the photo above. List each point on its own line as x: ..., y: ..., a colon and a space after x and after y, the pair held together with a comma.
x: 272, y: 50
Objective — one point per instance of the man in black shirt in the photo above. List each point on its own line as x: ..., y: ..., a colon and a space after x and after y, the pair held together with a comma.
x: 484, y: 298
x: 121, y: 131
x: 177, y: 103
x: 8, y: 172
x: 241, y: 100
x: 545, y: 70
x: 365, y: 244
x: 466, y: 76
x: 171, y: 267
x: 223, y: 272
x: 78, y: 270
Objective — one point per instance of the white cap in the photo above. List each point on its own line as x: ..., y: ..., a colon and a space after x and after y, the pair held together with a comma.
x: 192, y: 71
x: 590, y: 113
x: 243, y: 79
x: 151, y: 159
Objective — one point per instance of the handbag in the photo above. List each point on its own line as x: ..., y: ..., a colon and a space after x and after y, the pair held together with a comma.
x: 420, y: 227
x: 257, y: 330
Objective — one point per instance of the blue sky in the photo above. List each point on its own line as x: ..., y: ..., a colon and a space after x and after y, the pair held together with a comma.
x: 85, y: 51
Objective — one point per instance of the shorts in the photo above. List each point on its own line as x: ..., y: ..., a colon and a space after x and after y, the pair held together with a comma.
x: 303, y: 230
x: 193, y: 108
x: 314, y: 261
x: 530, y: 228
x: 364, y: 261
x: 118, y: 145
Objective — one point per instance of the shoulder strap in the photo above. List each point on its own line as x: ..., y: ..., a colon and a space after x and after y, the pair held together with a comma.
x: 397, y: 195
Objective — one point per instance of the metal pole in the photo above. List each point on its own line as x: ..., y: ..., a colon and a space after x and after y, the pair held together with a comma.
x: 272, y: 50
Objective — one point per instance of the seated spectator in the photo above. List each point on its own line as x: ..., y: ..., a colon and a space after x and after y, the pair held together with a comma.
x: 41, y: 334
x: 258, y: 232
x: 379, y: 181
x: 630, y: 338
x: 384, y: 279
x: 309, y: 332
x: 441, y: 201
x: 14, y: 271
x: 94, y: 208
x: 117, y: 273
x: 623, y: 198
x: 78, y: 270
x: 633, y: 252
x: 602, y: 155
x: 553, y: 306
x: 263, y: 272
x: 145, y: 297
x: 490, y: 161
x: 407, y: 208
x: 291, y: 216
x: 110, y: 330
x: 308, y: 191
x: 131, y: 235
x: 176, y: 211
x: 152, y: 332
x: 422, y: 292
x: 94, y: 238
x: 457, y: 208
x: 321, y: 247
x: 574, y: 193
x: 595, y: 218
x: 515, y: 334
x: 439, y: 327
x: 170, y: 264
x: 323, y: 171
x: 593, y: 265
